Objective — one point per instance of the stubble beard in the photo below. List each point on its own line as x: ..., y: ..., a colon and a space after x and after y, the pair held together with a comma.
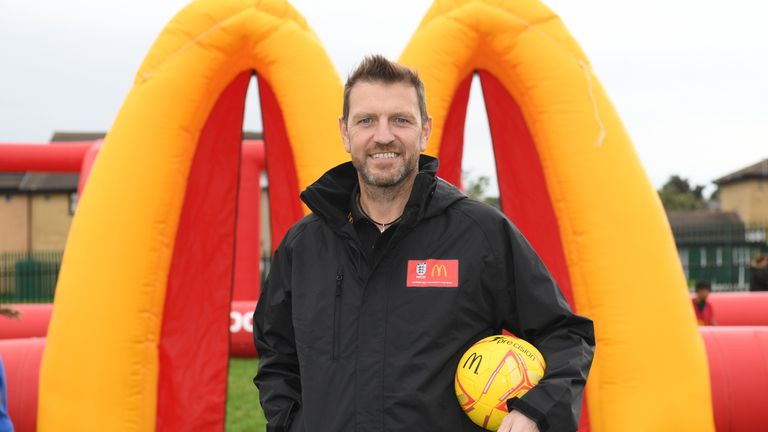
x: 386, y: 181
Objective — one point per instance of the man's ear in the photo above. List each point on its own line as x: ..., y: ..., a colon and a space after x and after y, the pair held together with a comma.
x: 344, y: 134
x: 426, y: 131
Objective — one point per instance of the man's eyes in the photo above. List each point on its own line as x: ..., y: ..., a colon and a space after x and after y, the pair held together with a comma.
x: 400, y: 121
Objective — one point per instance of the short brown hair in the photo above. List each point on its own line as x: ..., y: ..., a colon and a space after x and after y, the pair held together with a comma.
x: 376, y: 68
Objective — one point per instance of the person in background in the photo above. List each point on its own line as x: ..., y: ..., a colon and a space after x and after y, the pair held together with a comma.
x: 705, y: 315
x: 758, y: 278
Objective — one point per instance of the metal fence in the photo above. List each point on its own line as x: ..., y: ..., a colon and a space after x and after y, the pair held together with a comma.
x: 720, y: 254
x: 29, y: 277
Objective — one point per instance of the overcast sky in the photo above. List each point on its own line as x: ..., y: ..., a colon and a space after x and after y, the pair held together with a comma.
x: 688, y: 78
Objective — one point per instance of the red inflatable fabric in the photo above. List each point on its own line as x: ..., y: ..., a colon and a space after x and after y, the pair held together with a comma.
x: 85, y: 168
x: 248, y: 253
x: 33, y: 322
x: 739, y: 308
x: 738, y: 369
x: 194, y: 340
x: 452, y: 145
x: 522, y: 186
x: 48, y: 158
x: 284, y: 205
x: 35, y: 317
x: 241, y: 329
x: 21, y: 359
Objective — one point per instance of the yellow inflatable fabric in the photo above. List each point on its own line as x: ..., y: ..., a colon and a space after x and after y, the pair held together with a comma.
x: 100, y: 366
x: 650, y: 370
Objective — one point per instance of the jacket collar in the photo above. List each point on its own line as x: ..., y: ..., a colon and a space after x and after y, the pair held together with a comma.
x: 329, y: 196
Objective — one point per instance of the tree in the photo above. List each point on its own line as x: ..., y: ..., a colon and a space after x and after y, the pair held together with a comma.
x: 677, y: 194
x: 475, y: 187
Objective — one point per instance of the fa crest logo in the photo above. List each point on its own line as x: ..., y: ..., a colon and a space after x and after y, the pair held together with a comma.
x: 421, y: 268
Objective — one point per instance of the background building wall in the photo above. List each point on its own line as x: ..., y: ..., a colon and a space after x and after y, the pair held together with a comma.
x: 749, y: 198
x: 51, y: 219
x: 14, y: 229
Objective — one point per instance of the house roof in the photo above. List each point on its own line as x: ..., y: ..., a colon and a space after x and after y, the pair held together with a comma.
x: 76, y: 136
x: 696, y: 227
x: 59, y: 137
x: 10, y: 181
x: 698, y: 218
x: 36, y: 182
x: 756, y: 171
x: 49, y: 182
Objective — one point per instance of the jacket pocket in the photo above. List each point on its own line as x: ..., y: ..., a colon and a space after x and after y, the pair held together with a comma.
x: 336, y: 342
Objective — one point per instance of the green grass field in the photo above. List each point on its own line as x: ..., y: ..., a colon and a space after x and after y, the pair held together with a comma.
x: 243, y: 409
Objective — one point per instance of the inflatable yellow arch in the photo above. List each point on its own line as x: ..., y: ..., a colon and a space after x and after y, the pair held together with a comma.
x: 570, y: 179
x: 138, y: 338
x: 139, y: 335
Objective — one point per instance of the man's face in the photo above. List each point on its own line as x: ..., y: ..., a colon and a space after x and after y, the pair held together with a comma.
x: 384, y: 133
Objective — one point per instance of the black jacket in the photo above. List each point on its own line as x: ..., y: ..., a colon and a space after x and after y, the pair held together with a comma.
x: 345, y: 345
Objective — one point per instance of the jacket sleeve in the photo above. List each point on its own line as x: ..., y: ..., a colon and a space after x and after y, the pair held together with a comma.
x: 278, y: 375
x: 533, y: 308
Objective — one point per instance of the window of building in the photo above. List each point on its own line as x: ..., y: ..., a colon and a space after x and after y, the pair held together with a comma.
x: 703, y: 257
x: 72, y: 203
x: 683, y: 253
x: 719, y: 257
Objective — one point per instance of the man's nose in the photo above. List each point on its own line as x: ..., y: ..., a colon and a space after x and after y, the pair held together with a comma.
x: 383, y: 133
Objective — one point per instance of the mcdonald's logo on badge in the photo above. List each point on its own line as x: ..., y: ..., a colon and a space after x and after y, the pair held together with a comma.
x: 433, y: 273
x: 439, y: 269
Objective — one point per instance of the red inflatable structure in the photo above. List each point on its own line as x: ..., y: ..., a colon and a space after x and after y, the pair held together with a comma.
x: 738, y: 356
x: 23, y: 342
x: 21, y: 358
x: 80, y: 156
x: 34, y: 319
x: 738, y: 370
x: 740, y: 308
x: 33, y: 322
x: 43, y: 157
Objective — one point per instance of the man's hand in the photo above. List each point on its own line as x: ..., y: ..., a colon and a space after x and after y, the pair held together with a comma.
x: 515, y: 421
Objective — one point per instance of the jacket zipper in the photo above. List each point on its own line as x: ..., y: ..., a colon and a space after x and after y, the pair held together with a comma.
x: 337, y: 314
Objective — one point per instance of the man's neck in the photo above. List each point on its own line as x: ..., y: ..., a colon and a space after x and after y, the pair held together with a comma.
x: 385, y: 204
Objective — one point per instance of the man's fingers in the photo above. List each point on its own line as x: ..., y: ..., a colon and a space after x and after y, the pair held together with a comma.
x: 517, y: 422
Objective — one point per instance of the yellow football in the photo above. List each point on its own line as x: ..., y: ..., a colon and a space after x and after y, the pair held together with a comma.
x: 492, y: 371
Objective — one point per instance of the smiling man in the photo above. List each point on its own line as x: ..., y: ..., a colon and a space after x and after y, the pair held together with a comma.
x: 373, y: 298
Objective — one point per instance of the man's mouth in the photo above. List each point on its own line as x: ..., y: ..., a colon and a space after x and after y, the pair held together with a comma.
x: 389, y: 155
